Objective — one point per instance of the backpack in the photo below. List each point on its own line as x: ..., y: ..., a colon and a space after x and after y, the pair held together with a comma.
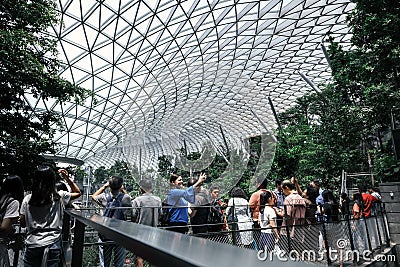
x: 166, y: 214
x: 112, y: 208
x: 215, y: 218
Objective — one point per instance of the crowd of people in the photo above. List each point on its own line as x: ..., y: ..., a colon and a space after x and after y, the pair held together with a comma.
x: 39, y: 212
x: 264, y: 221
x: 270, y: 218
x: 267, y: 220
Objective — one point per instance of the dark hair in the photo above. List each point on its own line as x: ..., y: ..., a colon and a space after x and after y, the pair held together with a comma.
x: 328, y: 196
x: 238, y: 192
x: 358, y: 198
x: 12, y: 187
x: 146, y: 185
x: 288, y: 184
x: 362, y: 189
x: 44, y: 187
x: 173, y: 177
x: 375, y: 189
x: 312, y: 194
x: 115, y: 182
x: 264, y: 196
x: 343, y: 195
x: 278, y: 182
x: 331, y: 207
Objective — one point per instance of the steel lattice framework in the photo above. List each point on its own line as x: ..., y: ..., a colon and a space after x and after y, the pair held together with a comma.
x: 168, y: 74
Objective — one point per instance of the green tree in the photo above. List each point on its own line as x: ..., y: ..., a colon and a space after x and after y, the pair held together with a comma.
x: 165, y: 167
x: 129, y: 173
x: 80, y: 174
x: 342, y: 126
x: 28, y: 69
x: 101, y: 175
x: 319, y: 139
x: 233, y: 174
x: 369, y: 74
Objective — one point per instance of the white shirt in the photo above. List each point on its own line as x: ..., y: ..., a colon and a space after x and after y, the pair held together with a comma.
x: 264, y: 219
x: 44, y: 223
x: 376, y: 195
x: 11, y: 212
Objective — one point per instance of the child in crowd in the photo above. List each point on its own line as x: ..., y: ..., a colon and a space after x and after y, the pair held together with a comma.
x: 266, y: 217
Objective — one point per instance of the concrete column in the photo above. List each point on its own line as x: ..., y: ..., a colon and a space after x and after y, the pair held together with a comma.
x: 390, y: 193
x: 391, y: 197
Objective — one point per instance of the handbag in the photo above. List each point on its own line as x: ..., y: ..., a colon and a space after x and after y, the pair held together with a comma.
x: 232, y: 218
x: 167, y: 212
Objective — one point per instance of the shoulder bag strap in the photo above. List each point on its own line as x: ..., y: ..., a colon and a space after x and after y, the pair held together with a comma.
x: 176, y: 202
x: 234, y: 209
x: 247, y: 211
x: 120, y: 196
x: 108, y: 198
x: 173, y: 207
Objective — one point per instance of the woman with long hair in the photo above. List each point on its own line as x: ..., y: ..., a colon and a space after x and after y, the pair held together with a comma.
x: 267, y: 217
x: 11, y: 195
x: 42, y: 214
x: 330, y: 208
x: 239, y: 218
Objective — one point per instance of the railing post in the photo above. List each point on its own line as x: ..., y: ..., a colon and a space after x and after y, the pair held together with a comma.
x: 77, y: 248
x: 325, y: 236
x: 368, y: 236
x: 285, y: 217
x: 377, y: 227
x: 385, y: 226
x: 350, y: 232
x: 66, y: 227
x: 234, y: 235
x: 350, y: 235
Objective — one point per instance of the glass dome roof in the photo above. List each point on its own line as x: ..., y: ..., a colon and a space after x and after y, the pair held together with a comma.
x: 173, y: 74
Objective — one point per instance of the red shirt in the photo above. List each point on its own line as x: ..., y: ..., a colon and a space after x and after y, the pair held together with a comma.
x: 367, y: 203
x: 254, y: 203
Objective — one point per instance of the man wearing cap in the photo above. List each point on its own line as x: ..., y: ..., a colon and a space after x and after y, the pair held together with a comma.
x: 146, y: 208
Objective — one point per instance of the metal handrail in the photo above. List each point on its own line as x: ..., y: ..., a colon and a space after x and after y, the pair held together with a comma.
x: 164, y: 248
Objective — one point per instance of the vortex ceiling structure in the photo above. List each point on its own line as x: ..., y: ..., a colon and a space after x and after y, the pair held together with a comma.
x: 170, y: 74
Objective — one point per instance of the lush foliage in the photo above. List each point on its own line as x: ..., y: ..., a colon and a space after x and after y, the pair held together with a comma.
x: 344, y: 127
x: 120, y: 168
x: 28, y: 70
x: 228, y: 169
